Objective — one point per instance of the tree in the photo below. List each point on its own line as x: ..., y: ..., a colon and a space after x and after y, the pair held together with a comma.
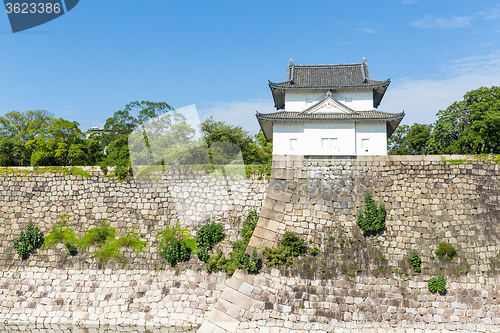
x: 16, y: 129
x: 56, y: 142
x: 470, y: 126
x: 219, y: 131
x: 114, y: 138
x: 408, y: 140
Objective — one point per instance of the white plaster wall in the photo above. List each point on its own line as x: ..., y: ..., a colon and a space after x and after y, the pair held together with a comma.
x: 343, y: 132
x: 309, y: 138
x: 282, y: 133
x: 376, y: 134
x: 362, y: 100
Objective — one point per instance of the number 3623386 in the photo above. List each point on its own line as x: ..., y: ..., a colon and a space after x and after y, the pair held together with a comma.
x: 32, y: 8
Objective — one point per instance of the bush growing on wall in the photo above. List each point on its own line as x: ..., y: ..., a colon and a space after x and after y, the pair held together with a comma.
x: 415, y: 261
x: 62, y: 232
x: 28, y: 241
x: 291, y: 246
x: 446, y: 251
x: 437, y: 284
x: 207, y: 236
x: 372, y: 220
x: 176, y: 244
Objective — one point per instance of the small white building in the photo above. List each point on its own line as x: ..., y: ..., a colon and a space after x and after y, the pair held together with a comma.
x: 329, y: 110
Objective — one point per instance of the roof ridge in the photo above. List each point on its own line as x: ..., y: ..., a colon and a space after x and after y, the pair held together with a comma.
x: 326, y: 65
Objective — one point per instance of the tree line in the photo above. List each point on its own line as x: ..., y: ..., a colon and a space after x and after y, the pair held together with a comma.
x: 37, y: 138
x: 469, y: 126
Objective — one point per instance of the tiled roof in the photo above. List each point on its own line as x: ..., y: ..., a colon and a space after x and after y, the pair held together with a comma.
x: 301, y: 116
x: 328, y: 76
x: 349, y: 76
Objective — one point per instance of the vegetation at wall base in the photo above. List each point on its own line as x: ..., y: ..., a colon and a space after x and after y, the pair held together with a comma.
x: 237, y: 259
x: 291, y: 246
x: 28, y: 241
x: 437, y: 284
x: 207, y: 236
x: 65, y: 171
x: 62, y: 232
x: 176, y: 244
x: 415, y: 261
x: 372, y: 219
x: 446, y: 251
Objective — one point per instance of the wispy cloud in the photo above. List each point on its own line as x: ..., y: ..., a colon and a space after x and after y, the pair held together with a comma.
x: 490, y: 13
x: 367, y: 30
x: 422, y: 98
x: 240, y: 113
x: 443, y: 23
x: 409, y: 2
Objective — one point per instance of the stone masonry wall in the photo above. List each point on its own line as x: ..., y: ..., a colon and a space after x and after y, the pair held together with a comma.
x: 147, y: 205
x: 367, y: 278
x: 354, y: 277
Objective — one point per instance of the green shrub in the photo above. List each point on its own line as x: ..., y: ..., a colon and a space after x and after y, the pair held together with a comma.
x: 415, y: 261
x: 98, y: 236
x: 216, y: 262
x: 108, y: 246
x: 63, y: 233
x: 446, y: 251
x: 249, y: 224
x: 28, y: 241
x: 373, y: 219
x: 313, y: 250
x: 210, y: 234
x: 176, y: 244
x: 437, y: 284
x: 72, y: 250
x: 291, y: 246
x: 238, y: 259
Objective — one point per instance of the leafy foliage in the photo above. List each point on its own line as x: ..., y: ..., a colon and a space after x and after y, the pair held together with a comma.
x: 290, y: 246
x: 249, y: 224
x: 373, y: 219
x: 252, y: 152
x: 437, y: 284
x: 408, y: 140
x: 216, y: 262
x: 210, y: 234
x: 63, y: 233
x: 415, y: 261
x: 28, y: 241
x: 313, y: 250
x: 108, y: 246
x: 470, y: 126
x: 446, y: 251
x: 176, y: 244
x: 238, y: 259
x: 98, y: 236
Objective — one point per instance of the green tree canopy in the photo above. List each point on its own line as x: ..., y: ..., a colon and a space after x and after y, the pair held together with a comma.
x: 253, y: 152
x: 408, y: 140
x: 470, y: 126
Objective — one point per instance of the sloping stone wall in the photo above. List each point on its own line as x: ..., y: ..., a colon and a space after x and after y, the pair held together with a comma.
x: 368, y: 278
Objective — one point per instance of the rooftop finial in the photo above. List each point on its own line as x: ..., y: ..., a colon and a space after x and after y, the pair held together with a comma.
x: 364, y: 60
x: 290, y: 63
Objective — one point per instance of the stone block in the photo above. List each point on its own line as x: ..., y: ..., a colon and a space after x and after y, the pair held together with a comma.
x: 237, y: 298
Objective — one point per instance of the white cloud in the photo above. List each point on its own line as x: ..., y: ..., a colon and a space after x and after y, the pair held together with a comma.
x: 443, y: 23
x: 422, y: 98
x: 240, y: 113
x: 409, y: 2
x: 367, y: 30
x: 490, y: 13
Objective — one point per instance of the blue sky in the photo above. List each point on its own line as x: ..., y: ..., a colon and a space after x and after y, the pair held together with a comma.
x: 219, y: 55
